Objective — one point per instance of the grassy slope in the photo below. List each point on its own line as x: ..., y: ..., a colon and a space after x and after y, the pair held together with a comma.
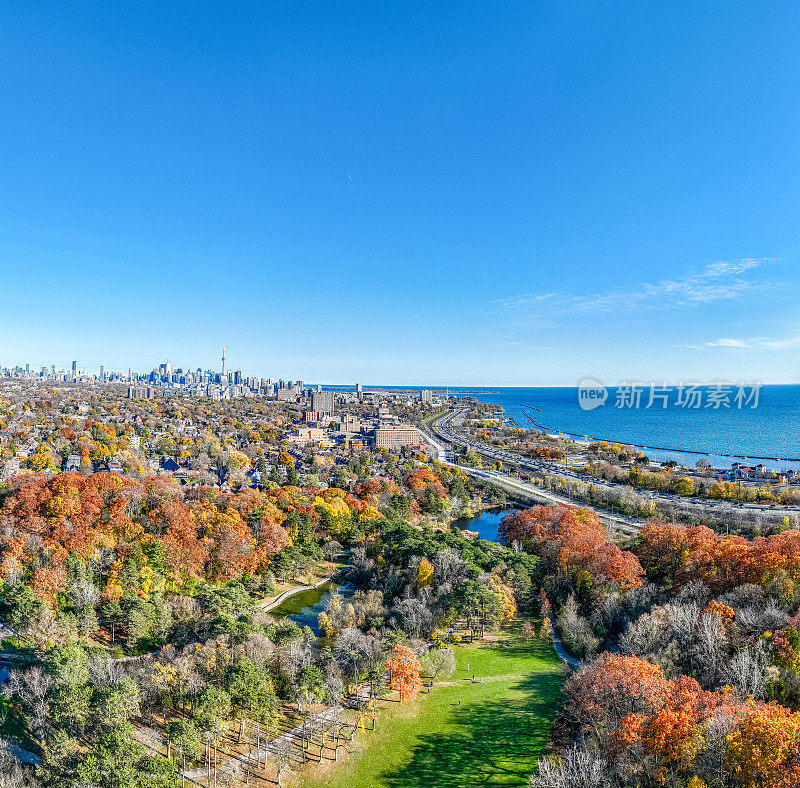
x: 493, y: 738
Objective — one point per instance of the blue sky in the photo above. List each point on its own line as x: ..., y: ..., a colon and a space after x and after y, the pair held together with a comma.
x: 425, y: 193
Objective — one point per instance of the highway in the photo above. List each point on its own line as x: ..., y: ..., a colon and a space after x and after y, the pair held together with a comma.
x: 616, y: 523
x: 444, y: 429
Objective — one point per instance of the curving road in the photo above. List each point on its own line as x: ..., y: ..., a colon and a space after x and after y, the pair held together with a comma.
x: 444, y: 429
x: 628, y: 526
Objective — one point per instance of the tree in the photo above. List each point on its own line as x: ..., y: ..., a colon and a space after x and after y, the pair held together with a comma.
x: 440, y: 662
x: 404, y: 668
x: 70, y: 707
x: 577, y: 769
x: 211, y: 712
x: 576, y: 632
x: 118, y: 761
x: 331, y: 549
x: 424, y: 573
x: 12, y: 774
x: 87, y: 622
x: 250, y: 689
x: 184, y: 739
x: 31, y: 687
x: 763, y: 750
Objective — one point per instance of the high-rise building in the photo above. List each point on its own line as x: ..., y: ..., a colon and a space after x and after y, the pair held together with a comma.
x: 74, y: 370
x: 102, y: 375
x: 323, y: 401
x: 359, y: 391
x: 426, y: 395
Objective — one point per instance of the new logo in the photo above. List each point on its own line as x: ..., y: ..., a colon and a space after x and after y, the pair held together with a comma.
x: 591, y: 394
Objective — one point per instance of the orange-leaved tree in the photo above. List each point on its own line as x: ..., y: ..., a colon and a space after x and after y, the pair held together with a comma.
x: 404, y: 668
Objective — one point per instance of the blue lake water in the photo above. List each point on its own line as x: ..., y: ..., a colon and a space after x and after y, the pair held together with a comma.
x: 770, y: 430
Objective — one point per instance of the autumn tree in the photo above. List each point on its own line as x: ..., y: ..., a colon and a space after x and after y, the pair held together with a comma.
x: 404, y: 669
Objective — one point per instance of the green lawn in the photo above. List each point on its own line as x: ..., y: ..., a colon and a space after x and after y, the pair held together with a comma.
x: 492, y: 738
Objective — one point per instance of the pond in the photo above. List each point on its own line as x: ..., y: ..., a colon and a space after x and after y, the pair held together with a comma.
x: 484, y: 523
x: 304, y: 608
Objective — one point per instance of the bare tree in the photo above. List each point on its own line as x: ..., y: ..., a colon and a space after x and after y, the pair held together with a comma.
x: 577, y: 769
x: 747, y: 671
x: 440, y: 662
x: 576, y: 632
x: 449, y: 567
x: 414, y: 614
x: 331, y: 549
x: 12, y: 774
x: 282, y: 752
x: 105, y: 671
x: 83, y: 593
x: 31, y: 687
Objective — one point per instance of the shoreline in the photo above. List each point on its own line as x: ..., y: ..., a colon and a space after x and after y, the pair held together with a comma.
x: 586, y: 440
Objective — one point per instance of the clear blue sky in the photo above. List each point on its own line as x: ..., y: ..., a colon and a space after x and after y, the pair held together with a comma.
x: 510, y: 193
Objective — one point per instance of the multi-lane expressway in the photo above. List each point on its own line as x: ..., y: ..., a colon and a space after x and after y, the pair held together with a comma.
x: 444, y: 430
x: 444, y: 436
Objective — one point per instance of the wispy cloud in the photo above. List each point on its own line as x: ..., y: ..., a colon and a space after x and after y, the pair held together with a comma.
x: 720, y: 281
x: 751, y: 343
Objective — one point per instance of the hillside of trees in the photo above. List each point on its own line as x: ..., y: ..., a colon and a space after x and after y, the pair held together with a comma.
x: 691, y: 648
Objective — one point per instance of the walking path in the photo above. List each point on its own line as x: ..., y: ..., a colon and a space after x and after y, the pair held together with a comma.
x: 23, y: 756
x: 573, y: 662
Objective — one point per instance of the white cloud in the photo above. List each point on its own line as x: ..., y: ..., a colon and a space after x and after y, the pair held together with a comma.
x: 751, y: 343
x: 720, y: 281
x: 728, y: 342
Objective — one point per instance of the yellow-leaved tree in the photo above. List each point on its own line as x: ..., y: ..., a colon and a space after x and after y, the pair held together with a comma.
x: 424, y: 573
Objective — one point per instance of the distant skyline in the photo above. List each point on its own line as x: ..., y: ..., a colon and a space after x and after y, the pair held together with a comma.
x: 431, y: 194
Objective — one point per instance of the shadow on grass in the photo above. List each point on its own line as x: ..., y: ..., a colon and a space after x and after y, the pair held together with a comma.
x: 496, y: 743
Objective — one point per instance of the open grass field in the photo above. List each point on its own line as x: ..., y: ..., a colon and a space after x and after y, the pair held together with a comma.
x: 462, y: 734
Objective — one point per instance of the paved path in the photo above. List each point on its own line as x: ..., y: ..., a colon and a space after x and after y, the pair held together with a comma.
x: 573, y: 662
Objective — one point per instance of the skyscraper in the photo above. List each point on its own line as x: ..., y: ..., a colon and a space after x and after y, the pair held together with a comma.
x: 74, y: 370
